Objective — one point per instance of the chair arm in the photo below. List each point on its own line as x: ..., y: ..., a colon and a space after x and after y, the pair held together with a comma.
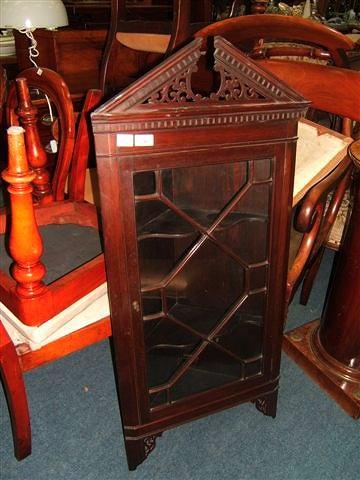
x: 305, y: 216
x: 315, y: 222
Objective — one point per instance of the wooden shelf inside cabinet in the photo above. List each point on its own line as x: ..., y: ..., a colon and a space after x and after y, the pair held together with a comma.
x: 167, y: 225
x: 196, y: 195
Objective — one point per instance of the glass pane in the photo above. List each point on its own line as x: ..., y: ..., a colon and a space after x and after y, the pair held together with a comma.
x: 245, y: 228
x: 144, y: 183
x: 157, y: 259
x: 210, y: 279
x: 203, y: 249
x: 204, y: 191
x: 168, y: 345
x: 262, y: 170
x: 212, y: 369
x: 152, y: 303
x: 242, y: 336
x: 257, y: 277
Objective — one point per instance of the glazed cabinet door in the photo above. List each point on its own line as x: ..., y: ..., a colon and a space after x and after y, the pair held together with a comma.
x: 203, y: 255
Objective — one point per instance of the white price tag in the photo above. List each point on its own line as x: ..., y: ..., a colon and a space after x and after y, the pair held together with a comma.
x: 137, y: 140
x: 124, y: 140
x: 53, y: 145
x: 144, y: 140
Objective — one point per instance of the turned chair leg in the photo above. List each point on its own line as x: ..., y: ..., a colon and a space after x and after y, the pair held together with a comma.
x: 12, y: 378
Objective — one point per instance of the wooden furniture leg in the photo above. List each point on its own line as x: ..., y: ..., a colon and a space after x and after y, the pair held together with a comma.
x: 310, y: 277
x: 329, y: 349
x: 25, y: 242
x: 11, y: 376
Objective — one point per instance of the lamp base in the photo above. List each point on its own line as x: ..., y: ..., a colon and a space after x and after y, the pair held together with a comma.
x: 301, y: 345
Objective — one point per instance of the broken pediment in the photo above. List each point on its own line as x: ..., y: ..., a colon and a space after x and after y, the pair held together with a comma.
x: 239, y: 80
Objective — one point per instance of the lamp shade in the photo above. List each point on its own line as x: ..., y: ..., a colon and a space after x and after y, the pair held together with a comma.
x: 31, y: 14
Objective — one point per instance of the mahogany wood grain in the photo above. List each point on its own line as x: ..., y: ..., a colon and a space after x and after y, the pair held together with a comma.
x: 11, y: 375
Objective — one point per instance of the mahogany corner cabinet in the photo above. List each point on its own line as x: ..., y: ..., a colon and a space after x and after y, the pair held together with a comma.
x: 196, y: 194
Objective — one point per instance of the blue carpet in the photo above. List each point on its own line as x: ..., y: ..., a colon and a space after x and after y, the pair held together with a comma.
x: 77, y: 432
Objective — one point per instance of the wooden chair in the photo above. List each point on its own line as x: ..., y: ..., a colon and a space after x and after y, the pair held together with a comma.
x: 56, y: 305
x: 136, y: 45
x: 52, y: 299
x: 11, y: 375
x: 332, y: 90
x: 264, y: 36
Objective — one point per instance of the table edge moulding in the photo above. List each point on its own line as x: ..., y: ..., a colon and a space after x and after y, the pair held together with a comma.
x: 159, y: 127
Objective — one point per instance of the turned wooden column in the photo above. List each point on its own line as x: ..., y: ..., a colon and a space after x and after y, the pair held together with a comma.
x: 329, y: 349
x: 339, y: 333
x: 25, y: 243
x: 36, y: 154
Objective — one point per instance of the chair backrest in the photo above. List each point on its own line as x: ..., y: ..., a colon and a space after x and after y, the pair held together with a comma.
x: 334, y: 90
x: 251, y: 31
x: 72, y: 157
x: 331, y: 89
x: 134, y: 46
x: 51, y: 84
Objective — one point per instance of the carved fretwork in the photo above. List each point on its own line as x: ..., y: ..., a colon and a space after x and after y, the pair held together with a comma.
x: 231, y: 88
x: 150, y: 443
x: 267, y: 404
x: 172, y: 84
x: 237, y: 65
x: 241, y: 81
x: 178, y: 91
